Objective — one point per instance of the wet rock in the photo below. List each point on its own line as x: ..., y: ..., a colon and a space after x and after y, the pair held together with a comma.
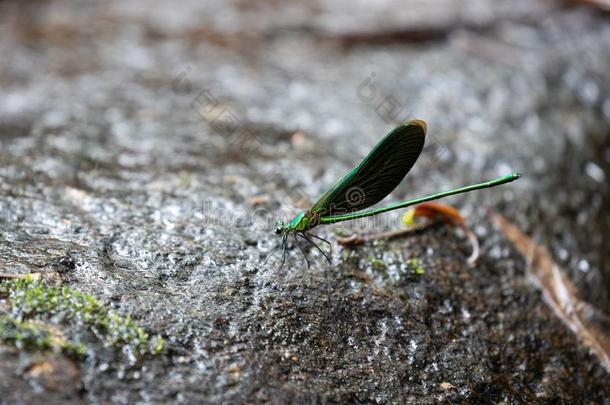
x: 138, y: 138
x: 29, y: 378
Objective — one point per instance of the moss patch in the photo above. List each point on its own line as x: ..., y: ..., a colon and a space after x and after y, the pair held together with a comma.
x: 377, y: 264
x: 37, y: 335
x: 415, y: 266
x: 34, y: 306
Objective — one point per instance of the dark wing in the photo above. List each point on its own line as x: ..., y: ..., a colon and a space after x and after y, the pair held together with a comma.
x: 378, y: 174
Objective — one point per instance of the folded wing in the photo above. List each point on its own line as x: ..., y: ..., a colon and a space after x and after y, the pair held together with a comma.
x: 378, y: 174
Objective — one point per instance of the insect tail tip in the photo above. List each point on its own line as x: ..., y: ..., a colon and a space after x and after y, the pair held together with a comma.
x: 420, y: 123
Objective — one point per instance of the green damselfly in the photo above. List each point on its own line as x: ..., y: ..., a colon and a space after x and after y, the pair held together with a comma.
x: 370, y: 182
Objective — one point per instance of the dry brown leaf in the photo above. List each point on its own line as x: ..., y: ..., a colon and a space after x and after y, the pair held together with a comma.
x: 449, y: 215
x: 559, y: 293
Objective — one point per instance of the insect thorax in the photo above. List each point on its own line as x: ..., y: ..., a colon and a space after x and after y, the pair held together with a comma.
x: 304, y: 222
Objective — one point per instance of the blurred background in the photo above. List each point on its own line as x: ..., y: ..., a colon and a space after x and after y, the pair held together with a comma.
x: 130, y: 130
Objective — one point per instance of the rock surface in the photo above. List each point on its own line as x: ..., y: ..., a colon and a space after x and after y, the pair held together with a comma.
x: 148, y: 147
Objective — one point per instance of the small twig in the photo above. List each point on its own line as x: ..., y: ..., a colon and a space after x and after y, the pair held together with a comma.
x: 356, y: 239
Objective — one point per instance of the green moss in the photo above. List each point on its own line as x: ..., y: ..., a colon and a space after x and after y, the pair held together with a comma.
x: 377, y: 264
x: 37, y: 335
x: 158, y: 345
x: 32, y: 302
x: 415, y: 266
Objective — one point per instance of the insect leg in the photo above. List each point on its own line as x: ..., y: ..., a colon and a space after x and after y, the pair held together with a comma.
x: 319, y: 237
x: 285, y: 247
x: 326, y: 271
x: 317, y: 247
x: 275, y: 249
x: 330, y: 247
x: 302, y: 251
